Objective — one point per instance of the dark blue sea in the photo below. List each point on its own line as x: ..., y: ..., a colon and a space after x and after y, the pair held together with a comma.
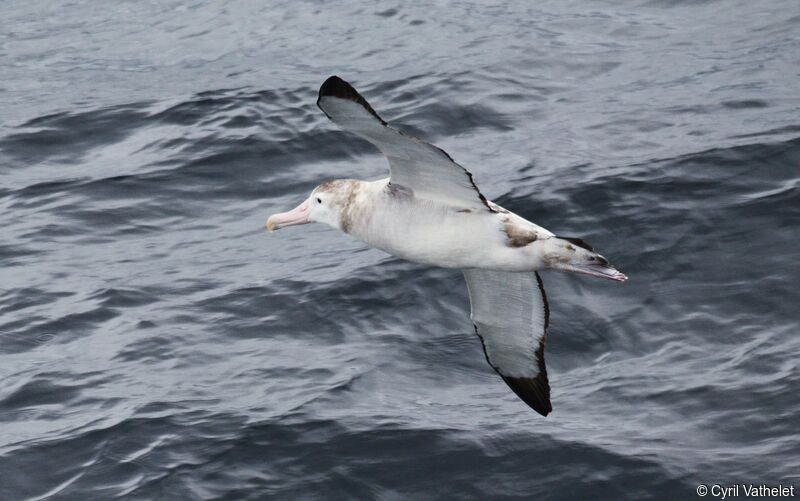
x: 157, y: 343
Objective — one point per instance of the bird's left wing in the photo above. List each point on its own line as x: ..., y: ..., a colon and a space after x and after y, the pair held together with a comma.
x: 510, y: 314
x: 422, y: 167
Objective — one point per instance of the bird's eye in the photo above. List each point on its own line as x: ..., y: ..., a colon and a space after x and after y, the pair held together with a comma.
x: 319, y: 200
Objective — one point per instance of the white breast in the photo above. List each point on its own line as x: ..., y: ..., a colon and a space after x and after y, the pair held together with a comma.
x: 431, y: 233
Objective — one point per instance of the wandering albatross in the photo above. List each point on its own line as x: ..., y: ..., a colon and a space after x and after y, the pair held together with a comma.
x: 430, y: 210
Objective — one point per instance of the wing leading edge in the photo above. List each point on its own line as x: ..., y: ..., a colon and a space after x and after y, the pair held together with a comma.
x: 413, y: 163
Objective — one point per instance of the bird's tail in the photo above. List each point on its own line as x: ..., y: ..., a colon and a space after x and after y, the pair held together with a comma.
x: 577, y: 256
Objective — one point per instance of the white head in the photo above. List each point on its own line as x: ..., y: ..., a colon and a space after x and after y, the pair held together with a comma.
x: 330, y: 203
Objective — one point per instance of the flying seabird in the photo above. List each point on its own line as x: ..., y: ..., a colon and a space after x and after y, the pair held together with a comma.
x: 430, y: 210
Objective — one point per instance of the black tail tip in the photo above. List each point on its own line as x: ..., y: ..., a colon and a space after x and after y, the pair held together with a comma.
x: 577, y: 241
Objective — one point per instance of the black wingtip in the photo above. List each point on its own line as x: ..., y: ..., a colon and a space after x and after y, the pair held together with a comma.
x: 533, y: 391
x: 336, y: 87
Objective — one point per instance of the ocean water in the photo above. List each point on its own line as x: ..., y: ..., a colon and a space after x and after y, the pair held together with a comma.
x: 157, y: 343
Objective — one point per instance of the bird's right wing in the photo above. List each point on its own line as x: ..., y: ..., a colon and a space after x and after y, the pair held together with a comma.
x: 415, y: 164
x: 510, y: 314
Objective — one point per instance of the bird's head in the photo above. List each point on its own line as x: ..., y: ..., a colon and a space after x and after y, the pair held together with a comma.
x: 329, y: 203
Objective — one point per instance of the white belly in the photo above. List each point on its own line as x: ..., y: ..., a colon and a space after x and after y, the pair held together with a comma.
x: 422, y: 231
